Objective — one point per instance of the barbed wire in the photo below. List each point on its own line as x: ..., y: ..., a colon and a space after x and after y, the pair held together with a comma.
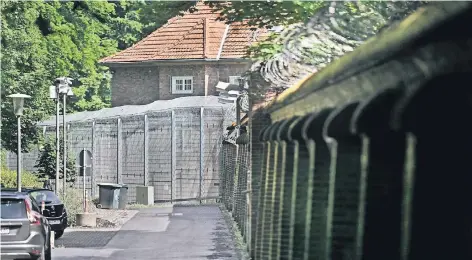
x: 336, y: 29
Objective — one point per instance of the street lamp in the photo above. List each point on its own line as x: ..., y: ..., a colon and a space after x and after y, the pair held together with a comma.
x: 18, y: 105
x: 61, y: 87
x: 53, y: 94
x: 67, y: 93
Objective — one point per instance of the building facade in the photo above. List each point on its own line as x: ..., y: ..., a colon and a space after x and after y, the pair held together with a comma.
x: 188, y: 56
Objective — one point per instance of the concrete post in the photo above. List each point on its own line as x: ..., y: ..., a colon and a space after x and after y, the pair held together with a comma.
x: 92, y: 176
x: 174, y: 155
x: 119, y: 154
x: 202, y: 151
x: 146, y: 150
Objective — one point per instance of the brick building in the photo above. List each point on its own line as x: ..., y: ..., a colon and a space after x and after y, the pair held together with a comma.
x: 188, y: 56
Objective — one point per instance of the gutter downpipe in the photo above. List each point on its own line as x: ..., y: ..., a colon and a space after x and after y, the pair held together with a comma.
x: 222, y: 42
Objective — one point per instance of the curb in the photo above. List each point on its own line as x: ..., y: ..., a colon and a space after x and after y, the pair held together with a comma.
x: 131, y: 214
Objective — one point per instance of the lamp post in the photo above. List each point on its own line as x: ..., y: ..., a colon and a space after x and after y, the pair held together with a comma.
x: 54, y: 94
x: 18, y: 103
x: 64, y: 133
x: 61, y: 88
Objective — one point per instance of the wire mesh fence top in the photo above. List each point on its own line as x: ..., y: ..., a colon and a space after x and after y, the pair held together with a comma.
x: 130, y: 110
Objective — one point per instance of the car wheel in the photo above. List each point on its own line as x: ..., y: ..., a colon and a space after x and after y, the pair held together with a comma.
x: 58, y: 234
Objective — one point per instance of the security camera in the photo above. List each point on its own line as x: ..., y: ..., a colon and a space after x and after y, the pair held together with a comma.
x: 63, y: 84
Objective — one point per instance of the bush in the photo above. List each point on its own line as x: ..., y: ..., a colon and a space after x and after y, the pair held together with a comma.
x: 46, y: 163
x: 74, y: 203
x: 28, y: 179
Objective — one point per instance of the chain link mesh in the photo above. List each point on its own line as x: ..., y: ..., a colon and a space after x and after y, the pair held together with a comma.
x: 106, y: 151
x: 188, y: 128
x: 132, y: 134
x: 160, y: 154
x: 187, y: 172
x: 80, y: 139
x: 212, y: 147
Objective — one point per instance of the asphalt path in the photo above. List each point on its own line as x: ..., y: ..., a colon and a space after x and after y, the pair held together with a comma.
x: 196, y: 233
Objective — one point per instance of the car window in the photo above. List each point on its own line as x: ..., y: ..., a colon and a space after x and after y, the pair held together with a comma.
x: 13, y: 209
x: 44, y: 195
x: 34, y: 205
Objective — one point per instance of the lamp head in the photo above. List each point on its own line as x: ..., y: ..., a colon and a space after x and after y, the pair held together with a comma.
x: 18, y: 103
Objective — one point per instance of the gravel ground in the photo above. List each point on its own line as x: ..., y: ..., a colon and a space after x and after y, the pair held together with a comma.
x: 109, y: 219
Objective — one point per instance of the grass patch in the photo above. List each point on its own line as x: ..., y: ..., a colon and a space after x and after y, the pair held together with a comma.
x: 241, y: 246
x: 73, y: 201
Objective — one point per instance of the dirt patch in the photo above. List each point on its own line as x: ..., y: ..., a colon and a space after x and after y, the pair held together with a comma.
x: 103, y: 223
x: 110, y: 218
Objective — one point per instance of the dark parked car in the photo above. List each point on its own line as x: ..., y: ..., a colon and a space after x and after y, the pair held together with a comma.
x: 25, y: 232
x: 56, y: 212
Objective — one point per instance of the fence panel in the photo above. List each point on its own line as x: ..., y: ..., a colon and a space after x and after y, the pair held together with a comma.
x: 105, y: 159
x: 213, y: 125
x: 160, y: 154
x: 241, y: 206
x: 187, y: 138
x: 30, y: 159
x: 80, y: 139
x: 132, y: 129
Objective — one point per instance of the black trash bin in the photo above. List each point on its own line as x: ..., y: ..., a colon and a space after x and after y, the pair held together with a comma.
x: 108, y: 195
x: 123, y: 198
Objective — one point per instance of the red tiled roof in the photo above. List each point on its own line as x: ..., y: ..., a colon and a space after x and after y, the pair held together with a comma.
x: 195, y: 35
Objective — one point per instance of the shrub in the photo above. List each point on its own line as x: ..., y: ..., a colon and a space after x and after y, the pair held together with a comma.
x: 28, y: 179
x: 73, y: 200
x: 46, y: 162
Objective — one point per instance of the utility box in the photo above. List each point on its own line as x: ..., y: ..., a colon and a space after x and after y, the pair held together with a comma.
x: 109, y: 194
x: 145, y: 195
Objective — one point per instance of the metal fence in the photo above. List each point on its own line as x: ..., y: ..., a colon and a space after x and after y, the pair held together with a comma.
x: 174, y: 150
x: 370, y: 166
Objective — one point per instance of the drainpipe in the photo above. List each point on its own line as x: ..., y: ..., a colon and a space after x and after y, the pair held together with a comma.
x: 222, y: 42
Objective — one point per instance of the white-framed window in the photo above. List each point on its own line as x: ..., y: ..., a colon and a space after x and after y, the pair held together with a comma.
x: 182, y: 85
x: 234, y: 80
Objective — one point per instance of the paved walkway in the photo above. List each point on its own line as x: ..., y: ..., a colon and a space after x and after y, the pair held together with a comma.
x: 195, y: 233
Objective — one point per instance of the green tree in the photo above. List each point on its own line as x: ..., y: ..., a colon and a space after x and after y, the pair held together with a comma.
x: 24, y: 59
x: 266, y: 14
x: 46, y: 163
x: 43, y: 40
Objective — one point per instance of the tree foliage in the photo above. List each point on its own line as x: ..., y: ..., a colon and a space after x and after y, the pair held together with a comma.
x: 28, y: 179
x: 43, y: 40
x: 266, y: 14
x: 46, y: 163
